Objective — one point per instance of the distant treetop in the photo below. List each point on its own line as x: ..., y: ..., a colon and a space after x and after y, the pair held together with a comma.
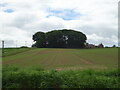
x: 60, y: 39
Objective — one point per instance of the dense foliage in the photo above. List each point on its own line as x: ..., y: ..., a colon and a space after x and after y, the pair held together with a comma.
x: 13, y: 77
x: 60, y: 39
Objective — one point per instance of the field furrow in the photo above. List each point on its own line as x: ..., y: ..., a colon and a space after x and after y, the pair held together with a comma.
x: 65, y: 58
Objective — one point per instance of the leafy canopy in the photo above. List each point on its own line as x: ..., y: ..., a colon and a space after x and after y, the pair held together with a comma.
x: 60, y: 39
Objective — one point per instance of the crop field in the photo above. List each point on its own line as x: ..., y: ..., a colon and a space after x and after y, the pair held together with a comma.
x: 62, y: 59
x: 60, y: 68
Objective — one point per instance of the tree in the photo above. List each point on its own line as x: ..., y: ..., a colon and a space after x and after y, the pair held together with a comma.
x: 40, y: 39
x: 53, y: 39
x: 60, y: 39
x: 114, y: 46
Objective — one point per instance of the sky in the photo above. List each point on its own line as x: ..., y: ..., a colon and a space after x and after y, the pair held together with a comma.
x: 20, y: 19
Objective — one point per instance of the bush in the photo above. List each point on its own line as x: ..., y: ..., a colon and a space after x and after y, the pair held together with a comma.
x: 24, y: 47
x: 39, y: 78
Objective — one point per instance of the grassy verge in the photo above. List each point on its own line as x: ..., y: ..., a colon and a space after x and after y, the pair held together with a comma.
x: 15, y: 77
x: 14, y: 51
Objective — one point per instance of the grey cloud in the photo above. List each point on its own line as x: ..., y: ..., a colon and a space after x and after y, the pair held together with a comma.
x: 29, y: 18
x: 50, y: 26
x: 101, y: 31
x: 96, y: 39
x: 43, y: 26
x: 9, y: 43
x: 21, y: 20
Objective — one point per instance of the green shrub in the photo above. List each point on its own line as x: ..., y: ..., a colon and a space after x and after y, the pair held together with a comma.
x: 16, y: 78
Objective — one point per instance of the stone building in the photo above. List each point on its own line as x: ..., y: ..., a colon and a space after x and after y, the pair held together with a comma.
x: 87, y: 45
x: 101, y: 46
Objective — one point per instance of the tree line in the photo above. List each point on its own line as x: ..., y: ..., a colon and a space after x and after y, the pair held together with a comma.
x: 59, y: 39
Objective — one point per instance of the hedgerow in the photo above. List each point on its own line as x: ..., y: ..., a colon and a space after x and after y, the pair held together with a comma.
x: 17, y: 78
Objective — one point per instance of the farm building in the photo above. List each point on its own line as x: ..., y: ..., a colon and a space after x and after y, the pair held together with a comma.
x: 101, y: 46
x: 87, y: 45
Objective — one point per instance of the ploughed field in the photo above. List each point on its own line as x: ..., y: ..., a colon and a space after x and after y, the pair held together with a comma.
x: 62, y: 59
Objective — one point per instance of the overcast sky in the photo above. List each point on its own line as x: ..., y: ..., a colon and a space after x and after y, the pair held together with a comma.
x: 20, y: 19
